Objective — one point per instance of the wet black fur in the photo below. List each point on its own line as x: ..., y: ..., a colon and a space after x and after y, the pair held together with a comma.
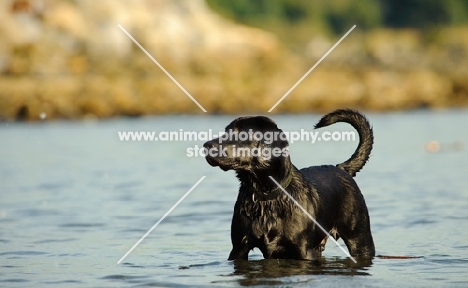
x: 264, y: 217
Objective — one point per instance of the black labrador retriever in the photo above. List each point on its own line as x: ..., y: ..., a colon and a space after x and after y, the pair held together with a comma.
x: 264, y: 217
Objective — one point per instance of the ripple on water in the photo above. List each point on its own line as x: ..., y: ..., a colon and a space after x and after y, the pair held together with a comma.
x: 23, y: 253
x: 63, y: 282
x: 14, y: 280
x: 45, y: 241
x: 82, y: 225
x: 132, y: 279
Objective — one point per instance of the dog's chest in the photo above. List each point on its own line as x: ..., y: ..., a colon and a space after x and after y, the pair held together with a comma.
x: 264, y: 217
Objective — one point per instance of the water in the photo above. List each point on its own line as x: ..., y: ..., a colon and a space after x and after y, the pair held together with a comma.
x: 74, y: 200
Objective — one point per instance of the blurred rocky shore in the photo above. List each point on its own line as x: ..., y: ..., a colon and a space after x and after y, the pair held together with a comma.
x: 70, y: 60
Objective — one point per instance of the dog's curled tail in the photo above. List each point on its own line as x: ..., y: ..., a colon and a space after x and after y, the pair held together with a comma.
x: 366, y: 138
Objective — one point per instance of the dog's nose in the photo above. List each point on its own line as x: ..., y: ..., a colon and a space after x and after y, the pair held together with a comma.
x: 209, y: 145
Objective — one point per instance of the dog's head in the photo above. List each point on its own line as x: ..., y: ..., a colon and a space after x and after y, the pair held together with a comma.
x: 249, y: 143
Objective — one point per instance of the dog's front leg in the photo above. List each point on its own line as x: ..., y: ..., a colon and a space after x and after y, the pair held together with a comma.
x: 239, y: 252
x: 239, y: 231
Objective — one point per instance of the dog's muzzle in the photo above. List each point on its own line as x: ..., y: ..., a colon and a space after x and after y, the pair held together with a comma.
x: 211, y: 151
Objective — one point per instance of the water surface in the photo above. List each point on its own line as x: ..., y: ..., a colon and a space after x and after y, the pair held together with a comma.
x: 74, y: 199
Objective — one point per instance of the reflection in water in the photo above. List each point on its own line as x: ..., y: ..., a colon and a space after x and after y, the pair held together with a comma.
x: 269, y: 271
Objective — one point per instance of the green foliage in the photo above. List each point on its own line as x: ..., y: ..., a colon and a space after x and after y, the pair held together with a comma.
x: 336, y: 16
x: 340, y: 15
x: 415, y: 13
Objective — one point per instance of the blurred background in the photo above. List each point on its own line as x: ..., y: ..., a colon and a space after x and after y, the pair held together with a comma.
x: 74, y: 196
x: 68, y: 59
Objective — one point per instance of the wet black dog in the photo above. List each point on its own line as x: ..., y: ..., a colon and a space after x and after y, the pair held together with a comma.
x: 264, y: 217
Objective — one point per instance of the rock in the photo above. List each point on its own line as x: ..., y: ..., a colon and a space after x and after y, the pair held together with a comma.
x: 70, y: 59
x: 395, y: 48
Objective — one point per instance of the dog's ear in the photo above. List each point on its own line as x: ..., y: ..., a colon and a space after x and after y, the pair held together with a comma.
x: 258, y: 123
x: 264, y: 123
